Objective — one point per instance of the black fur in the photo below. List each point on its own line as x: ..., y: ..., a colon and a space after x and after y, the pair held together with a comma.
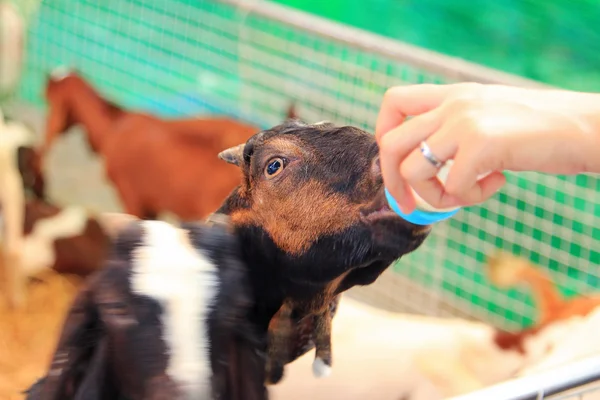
x: 31, y: 173
x: 360, y: 253
x: 111, y: 346
x: 338, y: 159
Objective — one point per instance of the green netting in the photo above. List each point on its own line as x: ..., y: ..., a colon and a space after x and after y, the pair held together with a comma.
x: 183, y: 57
x: 551, y: 41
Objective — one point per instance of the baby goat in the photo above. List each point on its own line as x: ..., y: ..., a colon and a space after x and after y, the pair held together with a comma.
x: 164, y: 319
x: 312, y: 221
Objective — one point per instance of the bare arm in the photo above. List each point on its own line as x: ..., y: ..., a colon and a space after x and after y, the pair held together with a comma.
x: 484, y: 129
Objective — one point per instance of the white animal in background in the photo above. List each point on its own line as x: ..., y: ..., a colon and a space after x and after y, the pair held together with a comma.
x: 12, y: 40
x: 12, y: 200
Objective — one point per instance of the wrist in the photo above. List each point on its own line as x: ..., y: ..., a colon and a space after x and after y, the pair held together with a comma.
x: 587, y: 118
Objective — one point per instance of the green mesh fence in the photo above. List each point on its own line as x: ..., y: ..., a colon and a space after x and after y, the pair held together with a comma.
x: 552, y: 41
x: 184, y: 57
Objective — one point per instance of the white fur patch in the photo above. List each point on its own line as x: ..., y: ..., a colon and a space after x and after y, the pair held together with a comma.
x: 15, y: 134
x: 320, y: 369
x: 12, y: 34
x: 37, y: 252
x: 168, y: 269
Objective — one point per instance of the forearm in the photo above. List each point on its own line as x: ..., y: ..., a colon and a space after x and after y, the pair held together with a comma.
x: 586, y: 107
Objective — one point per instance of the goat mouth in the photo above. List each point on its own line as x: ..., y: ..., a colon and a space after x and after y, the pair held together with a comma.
x: 378, y: 210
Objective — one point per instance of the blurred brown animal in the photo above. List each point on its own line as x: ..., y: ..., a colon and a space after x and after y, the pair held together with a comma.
x: 77, y: 239
x: 156, y: 165
x: 60, y: 247
x: 507, y: 270
x: 67, y: 240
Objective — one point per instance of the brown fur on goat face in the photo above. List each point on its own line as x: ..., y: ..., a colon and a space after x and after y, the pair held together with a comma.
x: 314, y: 222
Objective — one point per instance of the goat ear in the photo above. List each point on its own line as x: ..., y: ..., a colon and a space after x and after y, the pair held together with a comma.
x: 233, y: 155
x: 291, y: 112
x: 77, y: 345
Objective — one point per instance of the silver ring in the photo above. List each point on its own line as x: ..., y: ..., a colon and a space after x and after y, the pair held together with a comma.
x: 430, y: 156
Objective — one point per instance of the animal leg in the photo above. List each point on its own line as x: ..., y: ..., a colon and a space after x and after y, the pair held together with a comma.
x: 323, y: 358
x: 280, y: 331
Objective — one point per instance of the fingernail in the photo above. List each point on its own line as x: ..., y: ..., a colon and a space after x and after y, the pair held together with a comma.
x: 406, y: 209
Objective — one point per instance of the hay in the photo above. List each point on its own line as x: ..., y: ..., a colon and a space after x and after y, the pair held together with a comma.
x: 28, y: 335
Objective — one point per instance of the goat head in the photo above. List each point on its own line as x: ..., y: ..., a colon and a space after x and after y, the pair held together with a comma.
x: 313, y: 221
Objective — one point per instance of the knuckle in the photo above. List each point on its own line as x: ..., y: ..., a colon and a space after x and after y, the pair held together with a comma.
x: 466, y: 90
x: 458, y: 106
x: 388, y: 146
x: 470, y: 87
x: 471, y: 125
x: 391, y: 94
x: 453, y: 188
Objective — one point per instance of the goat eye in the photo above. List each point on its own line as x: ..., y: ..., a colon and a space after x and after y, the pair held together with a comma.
x: 274, y: 167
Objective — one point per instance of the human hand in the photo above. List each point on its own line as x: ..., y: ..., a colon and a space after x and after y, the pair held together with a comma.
x: 484, y: 129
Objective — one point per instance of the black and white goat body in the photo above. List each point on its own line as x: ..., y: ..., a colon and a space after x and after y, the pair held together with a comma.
x: 164, y: 319
x: 311, y: 220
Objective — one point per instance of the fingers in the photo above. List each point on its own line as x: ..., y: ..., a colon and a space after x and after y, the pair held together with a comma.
x: 443, y: 146
x: 414, y: 169
x: 460, y: 182
x: 402, y: 101
x: 490, y: 185
x: 465, y: 180
x: 396, y: 146
x: 432, y: 191
x: 463, y: 186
